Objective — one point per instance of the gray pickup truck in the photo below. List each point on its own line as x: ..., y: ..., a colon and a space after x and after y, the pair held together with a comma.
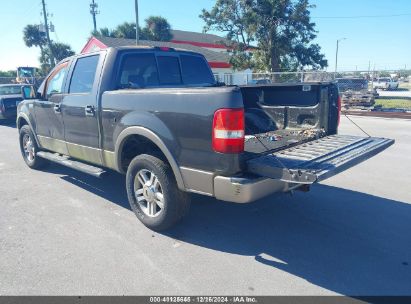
x: 158, y: 116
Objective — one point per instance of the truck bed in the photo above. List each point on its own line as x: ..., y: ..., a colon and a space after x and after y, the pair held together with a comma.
x: 278, y: 117
x: 280, y: 139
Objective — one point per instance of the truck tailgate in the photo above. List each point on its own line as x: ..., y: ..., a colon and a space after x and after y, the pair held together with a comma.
x: 317, y: 160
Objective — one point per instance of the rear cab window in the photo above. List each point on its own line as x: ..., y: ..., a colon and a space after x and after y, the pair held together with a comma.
x: 158, y: 69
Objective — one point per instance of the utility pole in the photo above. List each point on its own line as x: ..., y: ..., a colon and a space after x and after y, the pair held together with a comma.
x: 53, y: 63
x: 137, y: 33
x: 94, y: 11
x: 336, y: 54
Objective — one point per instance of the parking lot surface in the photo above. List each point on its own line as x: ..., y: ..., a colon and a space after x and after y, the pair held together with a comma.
x: 66, y: 233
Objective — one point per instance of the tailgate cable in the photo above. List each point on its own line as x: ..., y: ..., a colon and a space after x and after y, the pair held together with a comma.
x: 268, y: 150
x: 357, y: 125
x: 297, y: 184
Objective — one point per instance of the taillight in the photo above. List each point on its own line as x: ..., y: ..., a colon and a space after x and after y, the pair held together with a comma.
x: 339, y: 109
x: 228, y: 131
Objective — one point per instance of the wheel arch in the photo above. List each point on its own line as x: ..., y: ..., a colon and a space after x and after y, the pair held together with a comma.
x: 23, y: 119
x: 149, y: 135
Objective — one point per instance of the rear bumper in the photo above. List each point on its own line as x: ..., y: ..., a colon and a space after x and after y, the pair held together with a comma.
x: 246, y: 190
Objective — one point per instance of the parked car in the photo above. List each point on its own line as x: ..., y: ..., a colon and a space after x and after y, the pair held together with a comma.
x: 158, y: 116
x: 385, y: 83
x: 10, y: 96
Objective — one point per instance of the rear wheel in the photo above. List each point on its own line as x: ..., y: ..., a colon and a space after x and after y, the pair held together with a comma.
x: 29, y: 149
x: 153, y: 193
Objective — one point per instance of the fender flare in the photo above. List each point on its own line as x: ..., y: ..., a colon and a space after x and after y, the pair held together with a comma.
x: 157, y: 141
x: 21, y: 116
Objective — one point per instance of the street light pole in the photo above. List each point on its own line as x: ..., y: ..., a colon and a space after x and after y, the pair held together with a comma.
x: 137, y: 34
x: 336, y: 54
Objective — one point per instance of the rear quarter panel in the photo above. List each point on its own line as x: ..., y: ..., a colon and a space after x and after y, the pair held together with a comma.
x: 181, y: 117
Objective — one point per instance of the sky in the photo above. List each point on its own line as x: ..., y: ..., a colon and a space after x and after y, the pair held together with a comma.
x: 377, y: 32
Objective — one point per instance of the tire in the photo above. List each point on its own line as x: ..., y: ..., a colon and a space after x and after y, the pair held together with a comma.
x: 153, y: 193
x: 29, y: 149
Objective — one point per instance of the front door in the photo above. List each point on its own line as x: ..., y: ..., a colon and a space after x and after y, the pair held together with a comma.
x: 49, y: 121
x: 79, y: 108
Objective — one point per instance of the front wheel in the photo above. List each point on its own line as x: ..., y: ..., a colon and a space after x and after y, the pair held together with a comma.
x: 153, y: 193
x: 29, y: 149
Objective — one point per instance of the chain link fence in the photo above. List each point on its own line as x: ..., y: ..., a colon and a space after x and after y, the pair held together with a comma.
x: 380, y: 90
x: 377, y: 90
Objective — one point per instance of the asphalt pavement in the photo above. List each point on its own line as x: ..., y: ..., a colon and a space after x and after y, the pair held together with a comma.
x: 66, y: 233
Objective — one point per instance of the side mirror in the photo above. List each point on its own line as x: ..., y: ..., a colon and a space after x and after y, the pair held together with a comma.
x: 28, y: 92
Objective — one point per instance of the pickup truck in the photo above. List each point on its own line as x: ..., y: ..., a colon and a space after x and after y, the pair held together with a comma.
x: 385, y: 83
x: 158, y: 116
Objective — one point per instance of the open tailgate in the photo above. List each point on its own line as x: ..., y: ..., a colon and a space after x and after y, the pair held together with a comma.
x: 317, y: 160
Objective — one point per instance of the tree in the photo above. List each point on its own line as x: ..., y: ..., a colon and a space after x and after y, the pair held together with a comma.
x: 32, y: 36
x: 125, y: 30
x: 156, y: 28
x: 103, y: 32
x: 281, y: 31
x: 60, y: 51
x: 11, y: 73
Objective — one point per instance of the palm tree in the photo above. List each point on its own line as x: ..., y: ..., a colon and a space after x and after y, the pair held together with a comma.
x: 125, y: 30
x: 32, y: 36
x: 158, y: 29
x: 103, y: 32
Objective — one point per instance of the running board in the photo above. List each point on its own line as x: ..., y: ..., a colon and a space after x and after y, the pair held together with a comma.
x: 74, y: 164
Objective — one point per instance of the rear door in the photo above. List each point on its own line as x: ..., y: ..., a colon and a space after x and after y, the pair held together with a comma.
x: 79, y: 108
x: 317, y: 160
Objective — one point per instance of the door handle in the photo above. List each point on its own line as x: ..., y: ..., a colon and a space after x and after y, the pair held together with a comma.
x: 57, y: 108
x: 89, y: 110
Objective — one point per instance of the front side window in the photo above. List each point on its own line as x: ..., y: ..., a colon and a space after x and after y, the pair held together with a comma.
x: 84, y: 74
x: 56, y: 80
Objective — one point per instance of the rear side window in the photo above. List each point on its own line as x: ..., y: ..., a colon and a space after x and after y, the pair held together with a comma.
x: 138, y: 71
x: 84, y: 74
x: 141, y: 70
x: 195, y: 70
x: 169, y: 70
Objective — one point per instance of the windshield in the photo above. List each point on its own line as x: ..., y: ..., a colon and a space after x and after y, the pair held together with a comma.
x: 384, y: 79
x: 10, y: 90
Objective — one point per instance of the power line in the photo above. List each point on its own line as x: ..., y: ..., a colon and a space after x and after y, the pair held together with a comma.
x: 360, y: 17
